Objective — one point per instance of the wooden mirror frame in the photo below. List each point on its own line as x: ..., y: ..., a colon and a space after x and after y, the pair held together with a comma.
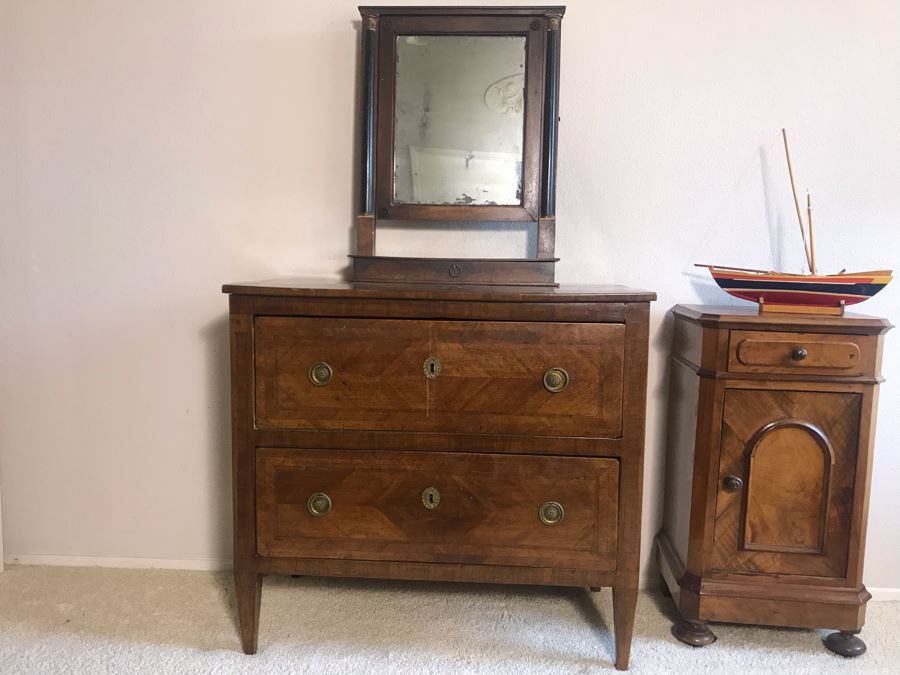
x: 380, y: 28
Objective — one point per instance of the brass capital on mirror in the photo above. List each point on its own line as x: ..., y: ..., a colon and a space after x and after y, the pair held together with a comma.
x: 458, y: 118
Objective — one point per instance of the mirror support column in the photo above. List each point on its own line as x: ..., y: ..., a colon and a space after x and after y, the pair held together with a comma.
x: 547, y: 222
x: 365, y: 220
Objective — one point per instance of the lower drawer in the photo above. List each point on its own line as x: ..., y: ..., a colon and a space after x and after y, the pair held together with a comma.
x: 438, y: 507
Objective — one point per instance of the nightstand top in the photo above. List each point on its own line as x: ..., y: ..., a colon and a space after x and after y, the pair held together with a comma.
x: 749, y: 317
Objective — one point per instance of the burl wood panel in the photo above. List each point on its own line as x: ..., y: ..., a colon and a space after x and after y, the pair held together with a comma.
x: 796, y: 454
x: 491, y: 378
x: 771, y: 352
x: 789, y: 472
x: 487, y: 512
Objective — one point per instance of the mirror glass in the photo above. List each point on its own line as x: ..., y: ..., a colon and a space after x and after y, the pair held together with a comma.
x: 459, y: 107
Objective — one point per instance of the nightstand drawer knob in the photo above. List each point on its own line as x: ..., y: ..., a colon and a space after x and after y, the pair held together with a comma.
x: 320, y: 374
x: 431, y: 497
x: 732, y: 483
x: 555, y: 380
x: 551, y: 513
x: 799, y: 353
x: 319, y: 504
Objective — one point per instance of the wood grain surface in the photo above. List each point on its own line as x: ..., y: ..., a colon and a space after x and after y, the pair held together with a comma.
x: 775, y: 352
x: 491, y: 377
x: 487, y: 511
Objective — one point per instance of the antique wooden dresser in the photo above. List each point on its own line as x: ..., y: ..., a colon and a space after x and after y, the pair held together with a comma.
x: 771, y: 429
x: 486, y: 434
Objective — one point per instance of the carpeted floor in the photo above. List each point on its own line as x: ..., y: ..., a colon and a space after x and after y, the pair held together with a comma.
x: 93, y: 620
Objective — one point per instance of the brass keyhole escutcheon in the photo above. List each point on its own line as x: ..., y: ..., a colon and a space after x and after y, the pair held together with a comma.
x: 551, y: 513
x: 318, y: 504
x: 320, y: 374
x: 555, y: 380
x: 431, y: 497
x: 432, y: 367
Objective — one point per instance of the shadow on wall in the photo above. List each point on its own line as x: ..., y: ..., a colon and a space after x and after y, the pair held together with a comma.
x: 773, y: 213
x: 215, y: 335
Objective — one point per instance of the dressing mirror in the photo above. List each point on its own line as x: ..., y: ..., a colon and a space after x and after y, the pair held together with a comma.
x: 458, y: 123
x: 459, y: 119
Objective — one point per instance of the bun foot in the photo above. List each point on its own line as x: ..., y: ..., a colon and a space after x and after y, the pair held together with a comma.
x: 693, y: 633
x: 845, y: 644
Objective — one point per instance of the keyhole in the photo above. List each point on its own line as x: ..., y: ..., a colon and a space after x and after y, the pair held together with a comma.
x: 431, y: 367
x: 431, y: 498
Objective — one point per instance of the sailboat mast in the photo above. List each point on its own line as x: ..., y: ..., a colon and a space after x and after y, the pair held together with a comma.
x: 812, y: 246
x: 787, y: 155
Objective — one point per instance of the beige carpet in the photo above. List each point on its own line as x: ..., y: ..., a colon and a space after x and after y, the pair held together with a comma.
x: 92, y: 620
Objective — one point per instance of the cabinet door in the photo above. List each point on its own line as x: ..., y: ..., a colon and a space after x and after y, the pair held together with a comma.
x: 786, y: 474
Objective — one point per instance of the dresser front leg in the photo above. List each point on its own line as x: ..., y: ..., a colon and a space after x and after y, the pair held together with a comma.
x: 248, y: 587
x: 624, y: 606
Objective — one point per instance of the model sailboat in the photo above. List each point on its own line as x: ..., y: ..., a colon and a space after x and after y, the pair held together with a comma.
x: 804, y: 293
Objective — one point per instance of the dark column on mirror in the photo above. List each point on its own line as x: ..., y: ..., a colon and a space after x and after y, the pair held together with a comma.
x: 365, y: 220
x: 547, y: 221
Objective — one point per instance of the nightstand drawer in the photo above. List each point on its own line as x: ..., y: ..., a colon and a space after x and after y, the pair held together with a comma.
x: 552, y: 379
x: 800, y: 353
x: 437, y: 507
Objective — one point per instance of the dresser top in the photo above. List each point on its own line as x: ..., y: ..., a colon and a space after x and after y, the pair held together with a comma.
x: 296, y: 287
x: 748, y: 317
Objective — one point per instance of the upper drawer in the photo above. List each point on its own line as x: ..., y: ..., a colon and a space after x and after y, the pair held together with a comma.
x: 483, y: 377
x: 806, y: 353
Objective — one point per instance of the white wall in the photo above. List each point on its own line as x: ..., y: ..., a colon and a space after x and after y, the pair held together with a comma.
x: 150, y: 151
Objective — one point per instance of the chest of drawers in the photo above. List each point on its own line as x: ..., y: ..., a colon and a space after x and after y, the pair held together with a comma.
x: 453, y: 434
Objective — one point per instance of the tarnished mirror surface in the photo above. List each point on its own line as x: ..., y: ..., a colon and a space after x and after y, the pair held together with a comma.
x: 459, y: 115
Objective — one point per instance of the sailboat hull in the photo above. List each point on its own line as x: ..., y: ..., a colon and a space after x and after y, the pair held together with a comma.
x: 808, y: 294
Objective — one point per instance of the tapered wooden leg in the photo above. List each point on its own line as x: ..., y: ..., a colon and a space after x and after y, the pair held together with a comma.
x: 624, y: 605
x: 248, y: 587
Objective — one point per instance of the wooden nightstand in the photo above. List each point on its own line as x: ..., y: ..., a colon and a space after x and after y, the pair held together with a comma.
x: 771, y: 428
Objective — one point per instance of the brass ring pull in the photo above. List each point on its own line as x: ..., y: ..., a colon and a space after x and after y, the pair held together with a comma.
x: 320, y: 374
x: 799, y: 353
x: 551, y: 513
x: 555, y: 380
x: 431, y: 497
x: 318, y: 504
x: 732, y: 483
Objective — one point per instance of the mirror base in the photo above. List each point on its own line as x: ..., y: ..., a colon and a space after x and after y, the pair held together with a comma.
x: 454, y: 271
